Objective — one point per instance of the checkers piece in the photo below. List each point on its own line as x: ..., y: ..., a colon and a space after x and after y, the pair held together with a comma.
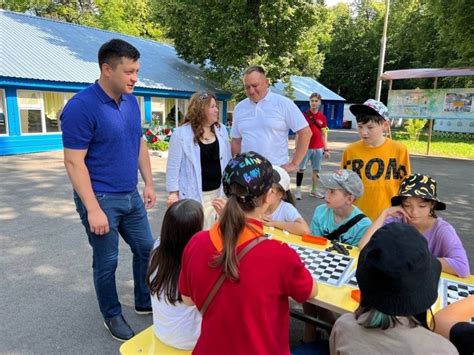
x: 339, y: 248
x: 453, y: 291
x: 325, y: 267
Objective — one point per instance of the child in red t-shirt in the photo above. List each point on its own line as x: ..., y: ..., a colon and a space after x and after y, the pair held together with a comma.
x: 249, y: 313
x: 318, y: 145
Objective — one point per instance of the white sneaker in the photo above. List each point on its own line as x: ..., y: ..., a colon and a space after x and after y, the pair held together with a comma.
x: 317, y: 194
x: 298, y: 195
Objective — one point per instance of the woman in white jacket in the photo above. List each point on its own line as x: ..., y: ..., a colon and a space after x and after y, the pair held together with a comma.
x: 198, y: 153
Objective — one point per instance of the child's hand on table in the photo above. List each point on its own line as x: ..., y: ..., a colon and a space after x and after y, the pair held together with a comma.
x: 268, y: 221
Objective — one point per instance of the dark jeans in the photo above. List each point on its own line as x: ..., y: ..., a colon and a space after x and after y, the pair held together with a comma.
x: 127, y: 216
x: 317, y: 347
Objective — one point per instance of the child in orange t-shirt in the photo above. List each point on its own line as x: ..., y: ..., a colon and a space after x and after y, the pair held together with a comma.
x: 380, y: 162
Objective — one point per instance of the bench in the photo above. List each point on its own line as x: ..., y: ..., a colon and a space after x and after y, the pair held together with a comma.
x: 146, y: 342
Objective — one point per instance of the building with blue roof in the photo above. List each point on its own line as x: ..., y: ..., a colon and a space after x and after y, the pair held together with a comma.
x: 43, y: 62
x: 303, y: 86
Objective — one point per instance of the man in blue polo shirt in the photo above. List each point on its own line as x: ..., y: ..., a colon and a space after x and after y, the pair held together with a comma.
x: 103, y: 151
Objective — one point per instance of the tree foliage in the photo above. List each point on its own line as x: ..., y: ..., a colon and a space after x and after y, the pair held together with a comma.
x: 67, y: 10
x: 421, y: 34
x: 133, y: 17
x: 337, y: 45
x: 224, y: 37
x: 352, y: 54
x: 414, y: 128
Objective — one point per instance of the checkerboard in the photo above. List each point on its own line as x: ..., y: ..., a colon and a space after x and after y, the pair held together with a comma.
x: 325, y: 267
x: 351, y: 280
x: 452, y: 291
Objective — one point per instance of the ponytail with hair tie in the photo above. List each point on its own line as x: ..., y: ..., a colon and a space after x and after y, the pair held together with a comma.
x: 241, y: 198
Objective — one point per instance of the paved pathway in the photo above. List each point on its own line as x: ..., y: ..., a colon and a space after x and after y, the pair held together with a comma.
x: 47, y: 299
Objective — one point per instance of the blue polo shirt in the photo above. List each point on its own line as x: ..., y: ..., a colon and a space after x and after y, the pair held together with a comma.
x: 111, y: 134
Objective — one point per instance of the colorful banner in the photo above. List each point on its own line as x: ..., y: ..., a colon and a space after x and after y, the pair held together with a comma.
x: 432, y: 103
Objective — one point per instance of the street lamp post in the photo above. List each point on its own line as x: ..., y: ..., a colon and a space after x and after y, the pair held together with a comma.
x: 383, y: 43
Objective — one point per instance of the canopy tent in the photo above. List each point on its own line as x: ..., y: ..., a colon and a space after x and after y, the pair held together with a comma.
x: 426, y: 73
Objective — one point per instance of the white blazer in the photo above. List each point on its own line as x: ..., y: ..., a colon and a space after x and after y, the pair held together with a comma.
x: 183, y: 169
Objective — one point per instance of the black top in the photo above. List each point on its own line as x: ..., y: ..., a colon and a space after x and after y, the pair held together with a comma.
x: 462, y: 335
x: 210, y: 166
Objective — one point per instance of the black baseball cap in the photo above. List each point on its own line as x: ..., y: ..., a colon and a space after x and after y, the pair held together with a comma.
x: 251, y: 171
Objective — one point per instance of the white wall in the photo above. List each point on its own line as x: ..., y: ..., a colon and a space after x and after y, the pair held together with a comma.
x: 348, y: 116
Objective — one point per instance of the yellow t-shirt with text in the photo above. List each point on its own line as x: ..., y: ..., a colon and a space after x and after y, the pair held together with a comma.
x: 381, y: 169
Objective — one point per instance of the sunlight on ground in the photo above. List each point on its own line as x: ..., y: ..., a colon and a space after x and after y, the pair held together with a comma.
x: 20, y: 251
x: 7, y: 213
x: 47, y: 270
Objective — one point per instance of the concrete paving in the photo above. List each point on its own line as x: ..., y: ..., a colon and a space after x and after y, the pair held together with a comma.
x: 47, y: 298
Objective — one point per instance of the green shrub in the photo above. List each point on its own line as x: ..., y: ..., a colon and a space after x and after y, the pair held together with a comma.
x: 159, y: 145
x: 414, y: 128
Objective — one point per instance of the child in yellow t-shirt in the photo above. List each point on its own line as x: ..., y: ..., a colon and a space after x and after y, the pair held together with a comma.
x: 380, y: 162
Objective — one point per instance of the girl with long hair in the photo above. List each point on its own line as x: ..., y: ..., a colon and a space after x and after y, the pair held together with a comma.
x: 174, y: 323
x: 239, y: 279
x: 416, y: 204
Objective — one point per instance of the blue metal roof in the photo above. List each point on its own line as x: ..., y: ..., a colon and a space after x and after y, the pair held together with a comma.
x: 304, y: 86
x: 44, y: 49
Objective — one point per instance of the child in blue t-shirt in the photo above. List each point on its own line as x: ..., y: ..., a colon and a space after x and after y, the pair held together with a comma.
x: 338, y: 219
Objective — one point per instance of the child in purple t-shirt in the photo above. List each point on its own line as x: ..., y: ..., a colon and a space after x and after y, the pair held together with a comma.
x: 415, y: 204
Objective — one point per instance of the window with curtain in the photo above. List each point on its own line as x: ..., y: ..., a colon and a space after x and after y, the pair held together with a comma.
x: 30, y: 104
x: 53, y: 105
x: 40, y: 111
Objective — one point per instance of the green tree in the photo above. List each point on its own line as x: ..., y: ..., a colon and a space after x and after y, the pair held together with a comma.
x: 74, y: 11
x: 455, y: 30
x: 350, y: 68
x: 430, y: 34
x: 309, y: 57
x: 224, y: 37
x: 421, y: 34
x: 133, y: 17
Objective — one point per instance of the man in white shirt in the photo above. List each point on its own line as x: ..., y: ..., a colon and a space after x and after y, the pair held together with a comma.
x: 262, y: 121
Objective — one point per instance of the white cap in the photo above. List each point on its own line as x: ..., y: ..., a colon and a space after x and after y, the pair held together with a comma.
x: 284, y: 177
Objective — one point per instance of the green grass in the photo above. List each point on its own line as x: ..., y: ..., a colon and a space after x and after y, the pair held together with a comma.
x: 453, y: 147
